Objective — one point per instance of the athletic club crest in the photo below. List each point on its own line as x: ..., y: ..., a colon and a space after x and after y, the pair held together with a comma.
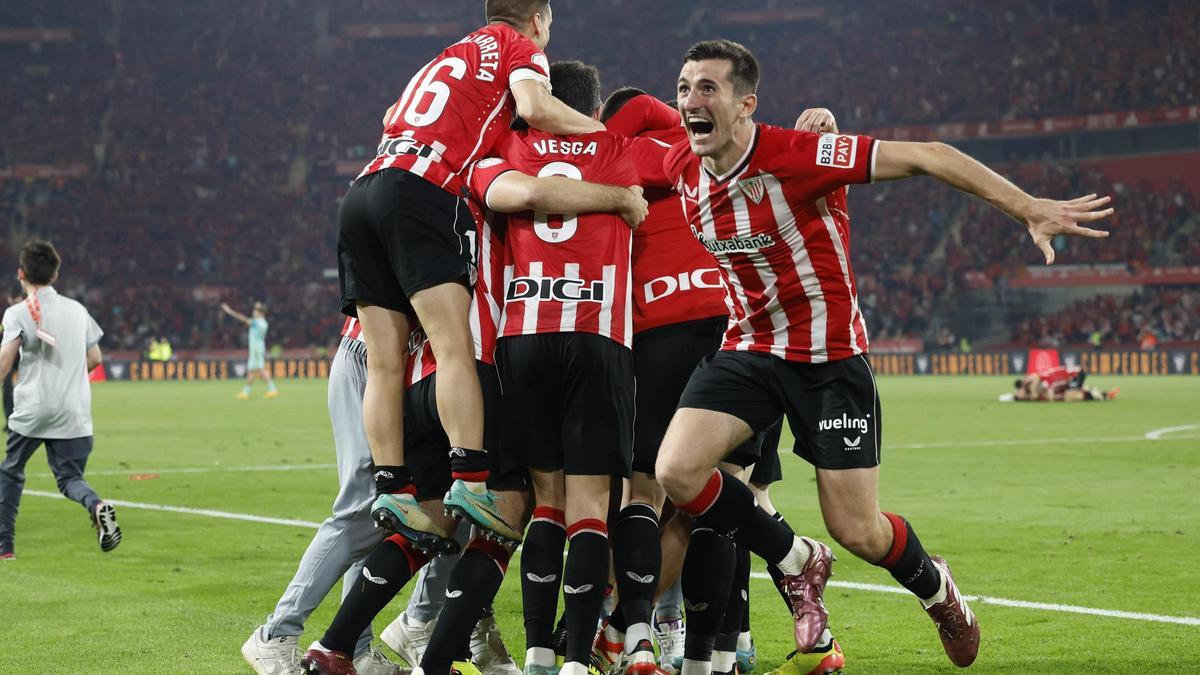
x: 753, y: 188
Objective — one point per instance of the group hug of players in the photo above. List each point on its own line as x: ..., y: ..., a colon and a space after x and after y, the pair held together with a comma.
x: 690, y: 287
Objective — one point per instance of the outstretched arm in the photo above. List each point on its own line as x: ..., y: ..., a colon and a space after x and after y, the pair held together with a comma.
x: 514, y: 191
x: 1043, y: 218
x: 235, y: 314
x: 542, y: 111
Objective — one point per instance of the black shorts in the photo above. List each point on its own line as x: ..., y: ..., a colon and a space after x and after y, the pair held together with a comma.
x: 767, y: 469
x: 568, y: 403
x: 832, y: 408
x: 664, y: 358
x: 399, y: 234
x: 426, y: 447
x: 1076, y: 380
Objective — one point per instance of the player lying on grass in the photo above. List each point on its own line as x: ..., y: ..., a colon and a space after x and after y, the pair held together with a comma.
x: 757, y: 196
x: 1061, y: 383
x: 477, y: 576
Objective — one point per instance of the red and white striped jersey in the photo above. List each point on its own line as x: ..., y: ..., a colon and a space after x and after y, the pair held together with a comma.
x: 674, y: 278
x: 454, y: 108
x: 570, y: 273
x: 1056, y: 379
x: 352, y: 329
x: 777, y: 223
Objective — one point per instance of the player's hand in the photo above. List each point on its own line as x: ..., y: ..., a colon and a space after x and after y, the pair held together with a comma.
x: 817, y: 120
x: 1048, y: 218
x: 634, y: 211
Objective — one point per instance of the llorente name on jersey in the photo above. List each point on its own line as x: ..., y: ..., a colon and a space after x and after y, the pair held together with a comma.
x: 736, y: 244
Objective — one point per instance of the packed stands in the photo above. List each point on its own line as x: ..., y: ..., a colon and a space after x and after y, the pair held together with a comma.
x: 183, y: 154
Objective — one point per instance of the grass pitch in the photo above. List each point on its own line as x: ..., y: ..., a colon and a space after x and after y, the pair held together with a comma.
x: 1048, y: 503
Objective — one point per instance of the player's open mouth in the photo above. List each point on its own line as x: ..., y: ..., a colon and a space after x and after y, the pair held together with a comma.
x: 699, y: 126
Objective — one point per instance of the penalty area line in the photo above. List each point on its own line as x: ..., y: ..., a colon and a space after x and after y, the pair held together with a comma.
x: 849, y: 585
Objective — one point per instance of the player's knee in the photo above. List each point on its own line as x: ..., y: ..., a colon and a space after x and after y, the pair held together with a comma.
x: 676, y: 474
x: 858, y: 536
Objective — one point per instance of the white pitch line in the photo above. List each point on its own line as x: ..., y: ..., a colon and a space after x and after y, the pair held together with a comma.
x: 1157, y: 434
x: 203, y: 469
x: 195, y: 512
x: 874, y: 588
x: 1021, y: 604
x: 1043, y: 441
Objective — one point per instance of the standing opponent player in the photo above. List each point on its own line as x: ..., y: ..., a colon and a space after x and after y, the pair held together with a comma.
x: 566, y: 368
x: 476, y: 577
x: 404, y: 250
x: 256, y: 342
x: 754, y: 196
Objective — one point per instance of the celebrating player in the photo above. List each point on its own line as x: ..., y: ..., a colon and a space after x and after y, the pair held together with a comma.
x: 256, y: 342
x: 337, y: 549
x: 393, y: 562
x: 404, y: 249
x: 755, y: 196
x: 564, y: 360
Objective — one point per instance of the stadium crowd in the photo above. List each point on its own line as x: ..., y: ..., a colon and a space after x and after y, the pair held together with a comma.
x: 1153, y: 316
x: 208, y: 147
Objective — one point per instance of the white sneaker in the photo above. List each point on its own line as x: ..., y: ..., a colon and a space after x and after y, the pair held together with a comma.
x: 277, y: 656
x: 488, y: 652
x: 408, y: 638
x: 670, y: 636
x: 375, y: 663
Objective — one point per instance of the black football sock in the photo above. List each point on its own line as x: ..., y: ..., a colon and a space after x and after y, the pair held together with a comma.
x: 739, y: 596
x: 386, y: 570
x: 727, y: 506
x: 774, y: 571
x: 585, y: 578
x: 617, y: 618
x: 541, y: 573
x: 472, y: 466
x: 637, y: 554
x: 473, y: 584
x: 908, y: 562
x: 708, y: 569
x: 393, y: 480
x: 725, y: 647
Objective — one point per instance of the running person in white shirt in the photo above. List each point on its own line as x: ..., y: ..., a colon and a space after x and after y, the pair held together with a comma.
x: 59, y: 344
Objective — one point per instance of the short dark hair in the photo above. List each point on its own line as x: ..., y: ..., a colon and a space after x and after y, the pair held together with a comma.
x: 513, y: 11
x: 39, y: 261
x: 744, y: 70
x: 577, y: 84
x: 617, y: 100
